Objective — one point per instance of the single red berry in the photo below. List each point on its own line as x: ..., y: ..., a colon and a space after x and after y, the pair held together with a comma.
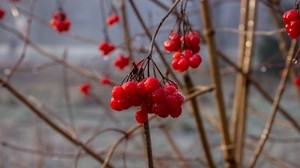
x: 160, y: 109
x: 185, y: 39
x: 2, y: 13
x: 194, y: 38
x: 179, y: 98
x: 115, y: 104
x: 290, y: 15
x: 175, y: 64
x: 130, y: 88
x: 187, y: 54
x: 118, y: 92
x: 183, y: 64
x: 195, y: 61
x: 85, y: 89
x: 171, y: 45
x: 141, y: 117
x: 175, y: 111
x: 170, y: 88
x: 159, y: 95
x: 177, y: 55
x: 195, y: 48
x: 121, y: 61
x: 151, y: 84
x: 175, y: 37
x: 106, y: 48
x: 294, y: 29
x: 112, y: 19
x: 297, y: 81
x: 141, y: 89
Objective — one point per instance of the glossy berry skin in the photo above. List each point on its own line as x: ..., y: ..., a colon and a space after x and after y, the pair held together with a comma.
x: 2, y: 13
x: 183, y: 64
x: 85, y: 89
x: 112, y: 19
x: 106, y: 48
x: 118, y: 92
x: 290, y: 15
x: 151, y: 84
x: 171, y: 45
x: 141, y: 117
x: 121, y: 61
x: 174, y: 36
x: 195, y: 61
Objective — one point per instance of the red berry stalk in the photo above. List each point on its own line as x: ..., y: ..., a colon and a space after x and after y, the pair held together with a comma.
x: 60, y: 22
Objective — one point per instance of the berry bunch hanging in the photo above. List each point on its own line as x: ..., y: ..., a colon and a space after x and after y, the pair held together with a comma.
x: 60, y: 21
x: 112, y: 19
x: 121, y: 61
x: 106, y: 48
x: 185, y: 43
x: 2, y: 13
x: 149, y: 94
x: 291, y: 19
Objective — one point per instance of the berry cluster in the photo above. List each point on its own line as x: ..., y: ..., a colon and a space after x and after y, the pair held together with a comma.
x: 2, y: 13
x: 112, y: 19
x: 291, y: 19
x: 121, y: 61
x: 105, y: 47
x: 85, y: 89
x: 60, y: 22
x: 186, y: 47
x: 150, y: 96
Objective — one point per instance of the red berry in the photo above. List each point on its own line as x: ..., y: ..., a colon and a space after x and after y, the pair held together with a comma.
x: 187, y: 54
x: 151, y: 84
x: 183, y: 64
x: 160, y: 109
x: 175, y: 37
x: 118, y: 92
x: 112, y: 19
x: 179, y: 98
x: 159, y: 95
x: 195, y: 49
x: 195, y: 61
x: 177, y: 55
x: 2, y: 13
x: 141, y: 89
x: 194, y: 38
x: 297, y: 81
x: 67, y: 25
x: 106, y: 48
x: 290, y: 16
x: 121, y: 61
x: 175, y: 111
x: 294, y: 29
x: 175, y: 64
x: 171, y: 45
x: 141, y: 117
x: 125, y: 103
x: 115, y: 104
x: 136, y: 100
x: 130, y: 88
x: 170, y: 88
x: 85, y: 89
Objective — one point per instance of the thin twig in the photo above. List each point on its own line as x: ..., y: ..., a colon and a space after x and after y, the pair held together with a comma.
x: 280, y: 89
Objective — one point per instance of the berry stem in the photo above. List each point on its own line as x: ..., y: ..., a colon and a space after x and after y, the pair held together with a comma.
x: 199, y: 122
x: 148, y: 144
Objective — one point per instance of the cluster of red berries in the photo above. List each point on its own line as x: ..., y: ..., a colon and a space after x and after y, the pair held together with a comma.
x: 112, y: 19
x: 186, y: 47
x: 105, y: 47
x: 85, y: 89
x: 150, y: 96
x: 121, y: 61
x: 2, y: 13
x: 60, y: 22
x: 291, y: 19
x: 185, y: 59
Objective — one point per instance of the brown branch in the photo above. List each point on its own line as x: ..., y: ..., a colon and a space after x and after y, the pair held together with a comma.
x: 57, y: 128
